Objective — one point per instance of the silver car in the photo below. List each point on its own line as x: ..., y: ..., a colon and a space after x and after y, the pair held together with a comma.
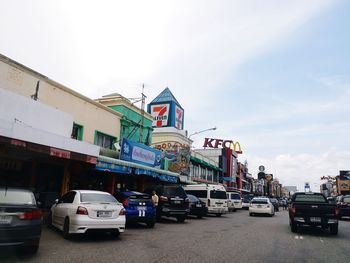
x: 80, y: 211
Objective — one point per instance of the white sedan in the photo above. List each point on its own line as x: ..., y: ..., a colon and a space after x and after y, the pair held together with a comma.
x: 79, y: 211
x: 261, y: 205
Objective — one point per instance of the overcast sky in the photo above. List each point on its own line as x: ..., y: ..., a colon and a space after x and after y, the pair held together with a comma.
x: 273, y: 75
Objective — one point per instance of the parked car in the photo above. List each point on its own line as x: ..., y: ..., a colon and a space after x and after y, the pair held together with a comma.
x: 343, y: 204
x: 138, y: 207
x: 246, y: 201
x: 173, y: 202
x: 197, y: 207
x: 261, y: 205
x: 234, y: 201
x: 80, y: 211
x: 313, y: 209
x: 20, y: 220
x: 275, y: 204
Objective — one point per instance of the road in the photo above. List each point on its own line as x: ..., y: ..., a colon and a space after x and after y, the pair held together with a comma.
x: 234, y: 237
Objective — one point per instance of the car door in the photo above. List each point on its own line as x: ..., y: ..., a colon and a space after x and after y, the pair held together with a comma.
x: 60, y: 210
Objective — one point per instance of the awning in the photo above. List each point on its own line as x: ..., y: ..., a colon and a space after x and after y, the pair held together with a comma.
x: 165, y: 176
x: 111, y: 167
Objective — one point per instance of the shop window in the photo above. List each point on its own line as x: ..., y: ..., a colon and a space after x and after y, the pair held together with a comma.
x: 77, y: 132
x: 104, y: 140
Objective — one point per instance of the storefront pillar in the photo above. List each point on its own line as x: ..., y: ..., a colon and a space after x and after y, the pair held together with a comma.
x: 141, y: 184
x: 66, y: 179
x: 33, y: 176
x: 112, y: 185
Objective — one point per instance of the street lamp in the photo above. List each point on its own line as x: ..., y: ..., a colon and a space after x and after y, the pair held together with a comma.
x: 210, y: 129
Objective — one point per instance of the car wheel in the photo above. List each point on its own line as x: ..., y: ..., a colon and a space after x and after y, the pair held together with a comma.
x: 181, y: 219
x: 66, y: 234
x: 199, y: 216
x: 293, y: 227
x: 250, y: 214
x: 49, y: 221
x: 151, y: 223
x: 234, y: 210
x: 30, y: 250
x: 218, y: 215
x: 333, y: 229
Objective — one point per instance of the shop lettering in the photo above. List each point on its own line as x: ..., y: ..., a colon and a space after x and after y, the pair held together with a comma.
x: 227, y: 144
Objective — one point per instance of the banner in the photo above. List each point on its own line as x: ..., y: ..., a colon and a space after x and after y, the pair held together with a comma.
x: 140, y: 153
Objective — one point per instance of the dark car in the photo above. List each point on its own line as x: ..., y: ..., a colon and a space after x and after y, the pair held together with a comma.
x: 20, y: 220
x: 275, y: 204
x: 197, y: 207
x: 173, y: 202
x: 138, y: 207
x: 343, y: 204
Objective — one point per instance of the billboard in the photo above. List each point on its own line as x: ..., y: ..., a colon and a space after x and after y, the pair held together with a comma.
x: 160, y: 114
x: 344, y: 185
x: 179, y: 117
x: 344, y: 175
x: 140, y: 153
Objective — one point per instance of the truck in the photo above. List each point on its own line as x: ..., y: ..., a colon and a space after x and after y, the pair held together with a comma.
x: 312, y: 209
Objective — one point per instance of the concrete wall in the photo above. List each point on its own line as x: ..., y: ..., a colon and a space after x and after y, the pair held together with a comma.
x: 86, y: 112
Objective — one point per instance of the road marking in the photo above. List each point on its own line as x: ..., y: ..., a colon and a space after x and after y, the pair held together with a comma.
x: 299, y: 237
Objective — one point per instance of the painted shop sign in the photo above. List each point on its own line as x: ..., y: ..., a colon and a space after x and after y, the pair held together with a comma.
x: 228, y: 144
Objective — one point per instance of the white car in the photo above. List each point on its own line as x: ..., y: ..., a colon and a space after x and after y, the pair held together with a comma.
x: 261, y: 205
x: 79, y: 211
x: 234, y: 201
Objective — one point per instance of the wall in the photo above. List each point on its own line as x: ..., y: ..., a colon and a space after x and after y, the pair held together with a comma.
x: 86, y: 112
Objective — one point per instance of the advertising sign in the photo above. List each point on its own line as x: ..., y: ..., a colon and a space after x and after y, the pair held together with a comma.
x: 160, y: 114
x: 344, y: 185
x: 179, y: 117
x: 228, y: 144
x: 140, y: 153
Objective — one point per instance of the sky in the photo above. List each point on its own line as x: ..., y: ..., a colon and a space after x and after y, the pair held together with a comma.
x: 273, y: 75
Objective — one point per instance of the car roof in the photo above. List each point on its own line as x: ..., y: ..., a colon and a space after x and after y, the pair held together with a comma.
x: 90, y: 192
x: 128, y: 193
x: 16, y: 189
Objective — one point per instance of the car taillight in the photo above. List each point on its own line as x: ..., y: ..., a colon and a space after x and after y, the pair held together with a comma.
x: 125, y: 202
x: 268, y: 206
x: 122, y: 212
x: 82, y: 211
x: 208, y: 202
x: 163, y: 198
x: 294, y: 210
x: 33, y: 215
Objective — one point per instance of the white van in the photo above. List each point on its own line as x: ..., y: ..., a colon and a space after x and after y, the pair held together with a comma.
x: 213, y: 195
x: 234, y: 201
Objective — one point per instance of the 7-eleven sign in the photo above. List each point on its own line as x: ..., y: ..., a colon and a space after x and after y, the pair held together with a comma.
x: 160, y: 114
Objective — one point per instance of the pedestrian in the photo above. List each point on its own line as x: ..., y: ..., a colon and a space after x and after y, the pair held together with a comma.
x: 155, y: 198
x: 284, y: 205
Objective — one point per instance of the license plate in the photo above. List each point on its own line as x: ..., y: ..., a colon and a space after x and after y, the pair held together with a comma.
x: 198, y: 205
x: 258, y: 206
x: 104, y: 213
x: 315, y: 219
x: 177, y: 202
x: 5, y: 220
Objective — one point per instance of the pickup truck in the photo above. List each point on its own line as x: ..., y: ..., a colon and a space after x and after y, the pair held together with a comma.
x: 313, y: 209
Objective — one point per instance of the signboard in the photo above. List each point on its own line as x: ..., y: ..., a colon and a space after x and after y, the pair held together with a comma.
x: 344, y: 175
x: 344, y: 185
x: 179, y: 117
x: 228, y: 144
x: 160, y: 114
x: 140, y: 153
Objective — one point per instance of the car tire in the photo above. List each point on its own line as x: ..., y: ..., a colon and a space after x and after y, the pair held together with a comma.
x: 181, y: 219
x: 293, y: 227
x: 250, y: 214
x: 29, y: 250
x: 199, y: 216
x: 151, y: 223
x: 65, y: 233
x: 235, y: 210
x: 49, y: 220
x: 333, y: 229
x: 218, y: 215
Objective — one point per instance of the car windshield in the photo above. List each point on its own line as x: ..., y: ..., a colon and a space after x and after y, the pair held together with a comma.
x: 310, y: 198
x: 246, y: 199
x: 174, y: 191
x: 347, y: 199
x: 93, y: 197
x: 217, y: 194
x: 259, y: 201
x: 16, y: 197
x: 192, y: 198
x: 235, y: 196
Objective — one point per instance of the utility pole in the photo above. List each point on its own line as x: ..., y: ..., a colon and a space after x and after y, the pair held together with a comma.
x: 142, y: 113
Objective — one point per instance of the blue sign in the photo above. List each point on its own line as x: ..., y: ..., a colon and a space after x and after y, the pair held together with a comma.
x: 139, y: 153
x: 110, y: 167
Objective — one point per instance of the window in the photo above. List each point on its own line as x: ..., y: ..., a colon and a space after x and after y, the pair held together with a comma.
x: 77, y: 132
x: 216, y: 194
x: 91, y: 197
x: 198, y: 193
x: 104, y: 140
x: 68, y: 198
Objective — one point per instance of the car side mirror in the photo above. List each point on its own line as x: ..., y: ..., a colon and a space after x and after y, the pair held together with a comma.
x: 56, y: 201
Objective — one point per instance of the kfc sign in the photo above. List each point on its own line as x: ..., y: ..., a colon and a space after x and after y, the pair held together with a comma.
x: 228, y: 144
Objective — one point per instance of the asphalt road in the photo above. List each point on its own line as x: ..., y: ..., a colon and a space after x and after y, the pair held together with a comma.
x: 234, y: 237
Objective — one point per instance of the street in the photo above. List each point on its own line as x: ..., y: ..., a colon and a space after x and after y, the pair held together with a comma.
x: 234, y: 237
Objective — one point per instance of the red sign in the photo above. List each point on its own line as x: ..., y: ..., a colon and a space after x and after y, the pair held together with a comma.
x: 59, y: 153
x: 228, y: 144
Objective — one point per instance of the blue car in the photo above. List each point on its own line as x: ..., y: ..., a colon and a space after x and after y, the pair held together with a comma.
x: 138, y: 207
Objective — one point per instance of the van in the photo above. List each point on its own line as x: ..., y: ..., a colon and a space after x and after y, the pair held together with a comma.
x: 213, y: 195
x: 234, y: 201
